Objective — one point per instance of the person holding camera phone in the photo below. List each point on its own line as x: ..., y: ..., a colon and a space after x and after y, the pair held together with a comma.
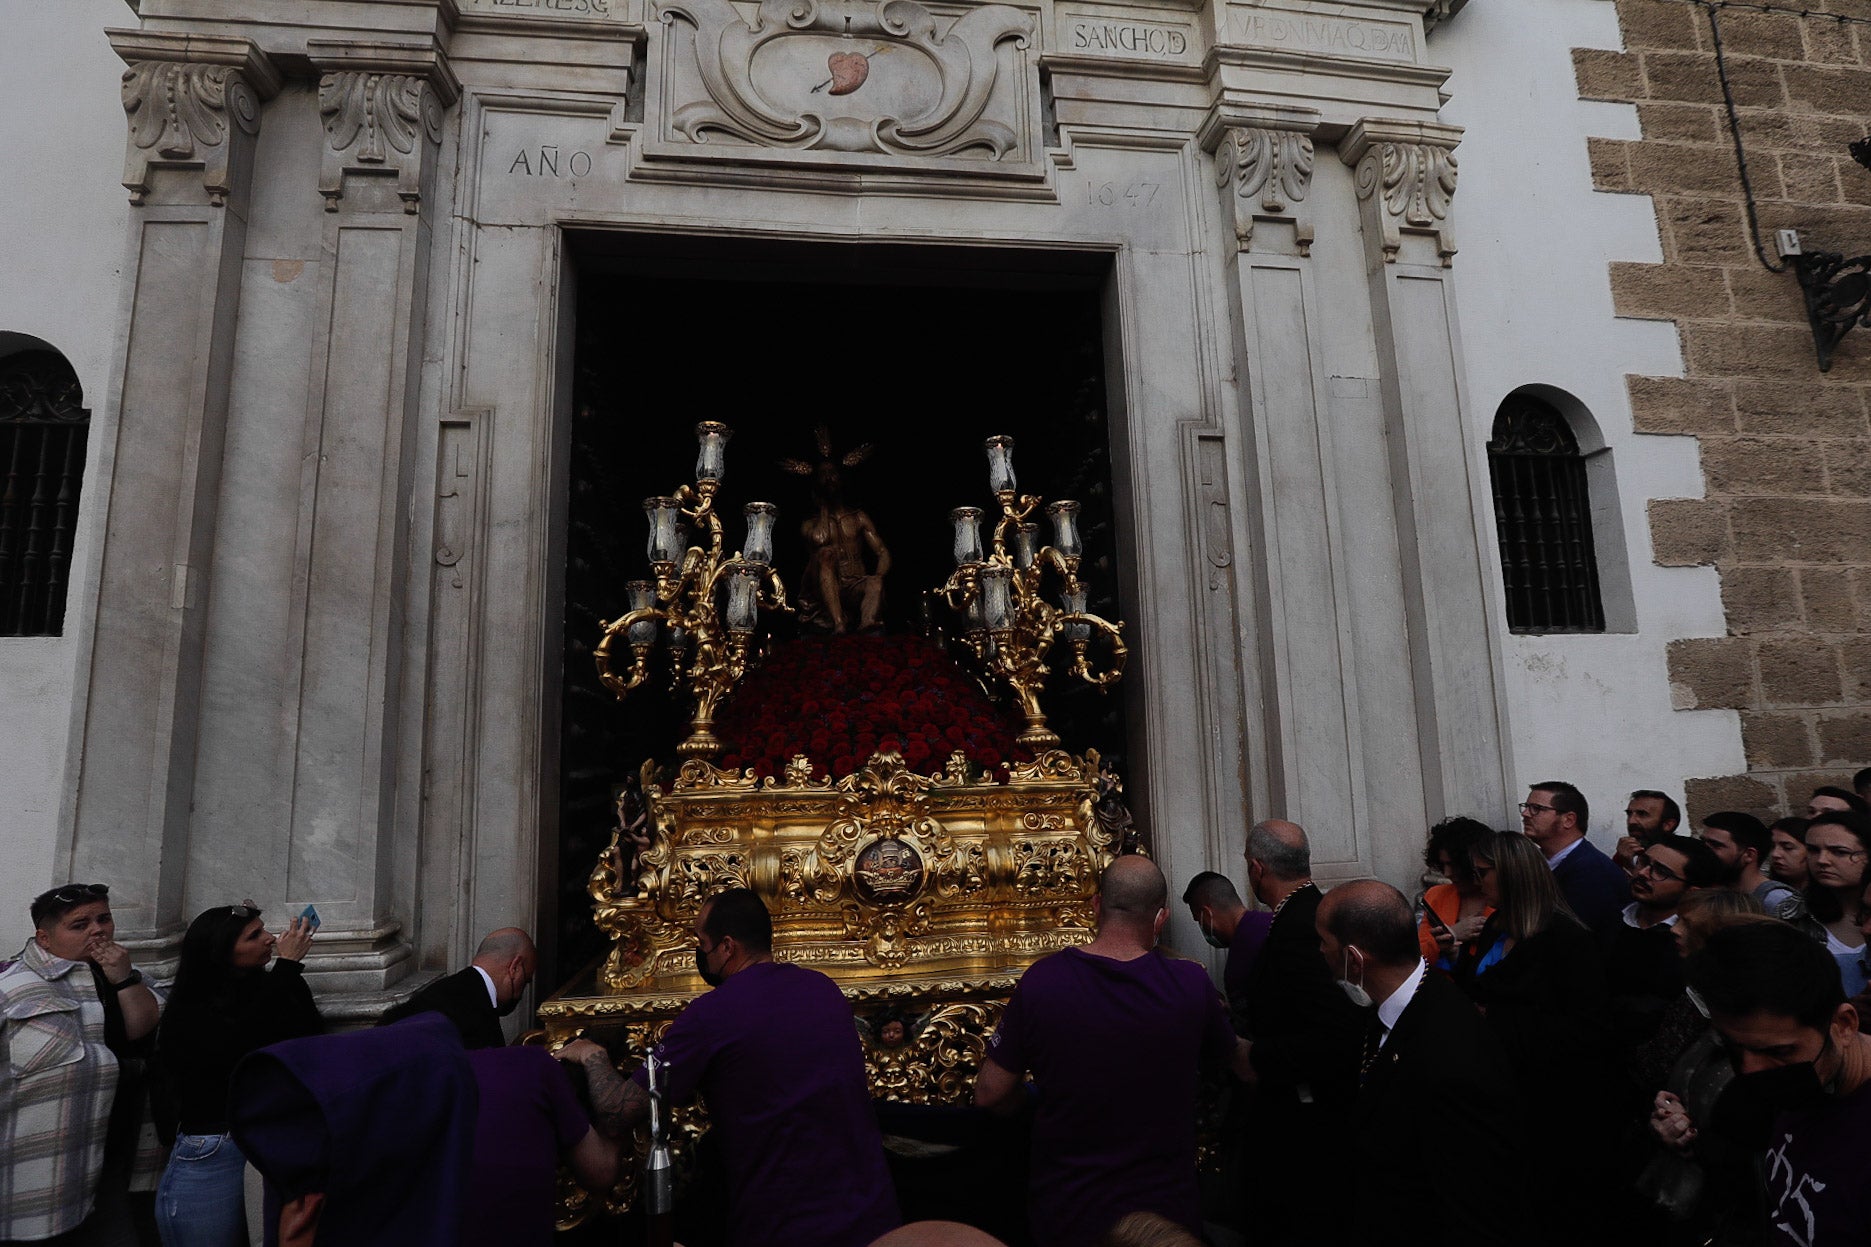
x: 1453, y: 913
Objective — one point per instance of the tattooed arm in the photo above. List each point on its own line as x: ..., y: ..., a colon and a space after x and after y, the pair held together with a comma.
x: 617, y: 1104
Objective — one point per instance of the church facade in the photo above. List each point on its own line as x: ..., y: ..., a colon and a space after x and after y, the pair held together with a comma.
x: 1420, y: 491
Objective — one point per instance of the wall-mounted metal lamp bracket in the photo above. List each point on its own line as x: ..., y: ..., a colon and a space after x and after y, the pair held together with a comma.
x: 1838, y: 297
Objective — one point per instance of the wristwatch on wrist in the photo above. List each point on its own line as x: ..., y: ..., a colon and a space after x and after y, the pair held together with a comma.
x: 136, y: 976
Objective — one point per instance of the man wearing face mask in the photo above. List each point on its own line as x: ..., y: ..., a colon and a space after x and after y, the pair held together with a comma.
x: 1774, y: 995
x: 774, y: 1053
x: 1227, y: 923
x: 1436, y: 1156
x: 475, y: 999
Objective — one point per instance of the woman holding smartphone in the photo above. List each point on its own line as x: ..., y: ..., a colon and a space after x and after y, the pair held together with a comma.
x: 225, y: 1004
x: 1453, y: 912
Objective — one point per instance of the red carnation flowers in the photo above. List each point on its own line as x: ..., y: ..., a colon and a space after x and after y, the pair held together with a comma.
x: 840, y: 699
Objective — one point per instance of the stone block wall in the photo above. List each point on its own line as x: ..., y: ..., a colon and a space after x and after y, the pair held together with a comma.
x: 1786, y: 448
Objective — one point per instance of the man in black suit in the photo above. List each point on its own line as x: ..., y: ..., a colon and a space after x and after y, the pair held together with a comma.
x: 1554, y: 816
x: 475, y: 999
x: 1305, y: 1037
x: 1435, y: 1156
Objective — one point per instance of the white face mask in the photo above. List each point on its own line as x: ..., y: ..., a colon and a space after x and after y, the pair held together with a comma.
x: 1355, y: 991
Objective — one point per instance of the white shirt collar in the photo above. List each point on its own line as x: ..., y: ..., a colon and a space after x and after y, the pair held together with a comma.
x: 1630, y: 918
x: 493, y: 997
x: 1552, y: 863
x: 1394, y: 1004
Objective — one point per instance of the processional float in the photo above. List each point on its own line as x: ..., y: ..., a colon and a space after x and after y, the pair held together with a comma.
x: 905, y: 853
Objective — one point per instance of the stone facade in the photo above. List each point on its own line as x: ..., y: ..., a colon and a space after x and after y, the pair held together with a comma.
x: 316, y: 627
x: 1786, y: 449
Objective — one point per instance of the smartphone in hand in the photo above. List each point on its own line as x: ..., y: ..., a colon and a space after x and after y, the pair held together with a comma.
x: 310, y: 915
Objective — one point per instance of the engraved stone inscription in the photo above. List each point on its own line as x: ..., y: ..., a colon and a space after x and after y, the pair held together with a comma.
x: 544, y: 8
x: 1343, y: 36
x: 547, y: 161
x: 1126, y: 39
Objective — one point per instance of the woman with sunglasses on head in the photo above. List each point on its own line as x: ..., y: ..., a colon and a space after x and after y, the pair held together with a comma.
x: 225, y: 1003
x: 1538, y: 975
x: 1832, y: 908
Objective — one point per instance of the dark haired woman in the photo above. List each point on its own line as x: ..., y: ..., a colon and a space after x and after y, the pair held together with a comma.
x: 1539, y: 977
x: 1453, y: 912
x: 225, y: 1004
x: 1838, y: 861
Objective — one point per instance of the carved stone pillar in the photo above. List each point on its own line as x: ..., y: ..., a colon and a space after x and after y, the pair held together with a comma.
x: 1263, y: 168
x: 193, y: 104
x: 1406, y: 177
x: 381, y: 105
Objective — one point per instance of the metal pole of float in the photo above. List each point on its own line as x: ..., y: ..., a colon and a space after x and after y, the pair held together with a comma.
x: 659, y: 1177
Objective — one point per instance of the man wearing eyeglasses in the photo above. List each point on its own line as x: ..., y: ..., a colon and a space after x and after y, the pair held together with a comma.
x: 1643, y: 970
x: 1554, y: 816
x: 71, y: 1007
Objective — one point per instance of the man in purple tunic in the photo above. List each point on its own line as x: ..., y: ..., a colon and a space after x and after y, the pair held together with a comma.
x: 529, y: 1119
x: 1114, y: 1034
x: 775, y: 1055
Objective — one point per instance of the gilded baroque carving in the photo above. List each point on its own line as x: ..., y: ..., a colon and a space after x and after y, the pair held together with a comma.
x: 1266, y: 174
x: 1411, y: 186
x: 376, y: 123
x: 185, y: 115
x: 899, y: 79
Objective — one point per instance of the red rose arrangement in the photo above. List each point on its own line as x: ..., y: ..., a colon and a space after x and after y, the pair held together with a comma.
x: 840, y: 699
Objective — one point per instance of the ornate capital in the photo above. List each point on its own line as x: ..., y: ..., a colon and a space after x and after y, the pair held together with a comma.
x: 193, y: 102
x: 376, y: 124
x: 1406, y: 174
x: 381, y: 103
x: 1265, y: 174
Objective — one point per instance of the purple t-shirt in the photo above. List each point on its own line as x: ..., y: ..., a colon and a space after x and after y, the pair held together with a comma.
x: 529, y: 1117
x: 1115, y: 1048
x: 775, y: 1054
x: 1250, y: 935
x: 1819, y: 1175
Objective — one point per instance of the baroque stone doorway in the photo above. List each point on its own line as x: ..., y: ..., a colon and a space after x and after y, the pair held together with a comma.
x: 920, y: 351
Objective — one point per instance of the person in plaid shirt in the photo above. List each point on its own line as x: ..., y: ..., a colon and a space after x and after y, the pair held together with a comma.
x: 69, y: 1005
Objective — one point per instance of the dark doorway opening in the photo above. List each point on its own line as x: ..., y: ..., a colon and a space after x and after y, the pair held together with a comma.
x: 923, y: 352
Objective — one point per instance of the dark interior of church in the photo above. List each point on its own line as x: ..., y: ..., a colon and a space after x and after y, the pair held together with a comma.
x: 918, y: 353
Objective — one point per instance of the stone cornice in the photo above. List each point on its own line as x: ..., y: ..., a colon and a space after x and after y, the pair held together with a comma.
x: 1229, y: 113
x: 414, y: 59
x: 230, y: 51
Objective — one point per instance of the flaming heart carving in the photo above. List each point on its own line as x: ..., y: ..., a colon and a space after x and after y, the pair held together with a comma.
x: 849, y: 71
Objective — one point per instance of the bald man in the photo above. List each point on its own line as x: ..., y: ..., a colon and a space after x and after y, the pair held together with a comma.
x: 1436, y: 1095
x: 1306, y: 1036
x: 1114, y: 1035
x: 475, y: 999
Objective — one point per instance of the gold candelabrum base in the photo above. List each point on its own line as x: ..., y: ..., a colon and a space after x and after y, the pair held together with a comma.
x: 924, y: 897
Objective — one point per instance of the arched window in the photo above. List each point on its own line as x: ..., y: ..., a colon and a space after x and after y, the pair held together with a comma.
x: 43, y: 430
x: 1543, y: 518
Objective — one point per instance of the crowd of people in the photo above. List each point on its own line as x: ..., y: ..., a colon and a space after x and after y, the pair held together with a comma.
x: 1547, y: 1044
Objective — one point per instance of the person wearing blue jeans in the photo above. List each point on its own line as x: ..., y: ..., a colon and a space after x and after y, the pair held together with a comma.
x: 200, y: 1202
x: 225, y: 1004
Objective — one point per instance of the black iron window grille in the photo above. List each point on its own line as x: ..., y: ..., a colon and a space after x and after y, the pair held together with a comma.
x: 44, y: 427
x: 1543, y: 519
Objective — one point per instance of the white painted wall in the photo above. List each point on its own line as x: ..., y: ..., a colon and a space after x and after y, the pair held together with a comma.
x: 1535, y: 300
x: 63, y: 216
